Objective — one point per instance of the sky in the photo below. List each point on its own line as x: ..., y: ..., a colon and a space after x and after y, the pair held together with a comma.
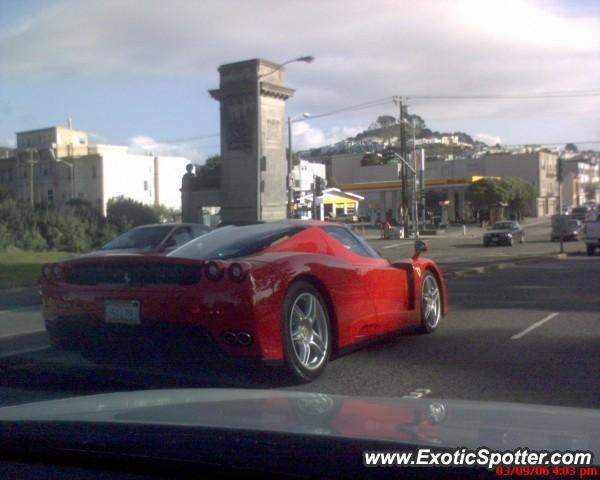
x: 137, y: 72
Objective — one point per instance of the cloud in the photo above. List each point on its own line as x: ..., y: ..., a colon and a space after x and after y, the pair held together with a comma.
x: 306, y: 136
x: 487, y: 138
x: 142, y: 144
x: 8, y: 142
x: 363, y: 50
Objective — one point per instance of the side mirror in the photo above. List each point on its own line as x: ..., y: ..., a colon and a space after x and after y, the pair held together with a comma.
x: 420, y: 247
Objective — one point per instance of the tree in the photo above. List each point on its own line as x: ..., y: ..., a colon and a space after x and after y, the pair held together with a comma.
x: 520, y: 195
x: 209, y: 174
x: 370, y: 159
x: 386, y: 121
x: 571, y: 147
x: 127, y: 213
x: 590, y: 190
x: 486, y: 193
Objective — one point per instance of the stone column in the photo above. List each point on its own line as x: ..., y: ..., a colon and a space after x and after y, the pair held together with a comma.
x: 461, y: 204
x: 252, y: 97
x: 451, y: 205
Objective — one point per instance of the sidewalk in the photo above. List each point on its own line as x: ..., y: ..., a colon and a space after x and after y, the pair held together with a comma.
x: 19, y: 297
x: 473, y: 230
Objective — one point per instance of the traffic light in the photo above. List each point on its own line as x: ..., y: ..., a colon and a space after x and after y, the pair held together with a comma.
x: 320, y: 184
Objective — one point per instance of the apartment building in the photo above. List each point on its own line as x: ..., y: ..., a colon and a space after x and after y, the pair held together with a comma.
x: 56, y: 164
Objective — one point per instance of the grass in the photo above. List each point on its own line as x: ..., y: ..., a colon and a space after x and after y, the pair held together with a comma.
x: 22, y: 269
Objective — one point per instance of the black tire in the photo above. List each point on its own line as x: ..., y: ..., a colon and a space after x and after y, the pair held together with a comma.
x: 486, y: 244
x: 295, y: 366
x: 591, y: 249
x: 427, y: 326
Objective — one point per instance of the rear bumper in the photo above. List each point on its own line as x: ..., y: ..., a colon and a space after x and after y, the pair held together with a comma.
x: 76, y: 333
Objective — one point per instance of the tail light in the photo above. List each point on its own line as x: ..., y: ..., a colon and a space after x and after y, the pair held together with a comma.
x: 214, y: 271
x: 58, y: 272
x: 46, y: 272
x: 237, y: 272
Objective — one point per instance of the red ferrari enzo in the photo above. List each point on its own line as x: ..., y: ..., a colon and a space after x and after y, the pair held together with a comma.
x: 295, y: 291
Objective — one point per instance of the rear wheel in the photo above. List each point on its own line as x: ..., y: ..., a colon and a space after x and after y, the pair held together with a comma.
x: 431, y: 303
x: 306, y: 331
x: 591, y: 249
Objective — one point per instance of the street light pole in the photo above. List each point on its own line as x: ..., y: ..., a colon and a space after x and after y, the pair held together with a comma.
x: 290, y: 166
x: 306, y: 59
x: 414, y: 169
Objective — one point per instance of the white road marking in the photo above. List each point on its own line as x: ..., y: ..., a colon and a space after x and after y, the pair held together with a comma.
x: 30, y: 308
x: 392, y: 245
x: 418, y: 393
x: 534, y: 326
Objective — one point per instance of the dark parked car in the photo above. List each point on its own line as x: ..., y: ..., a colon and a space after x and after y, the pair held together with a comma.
x: 579, y: 213
x: 504, y: 233
x: 155, y: 238
x: 574, y: 228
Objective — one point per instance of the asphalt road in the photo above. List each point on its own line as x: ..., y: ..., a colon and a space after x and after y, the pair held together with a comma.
x: 526, y: 333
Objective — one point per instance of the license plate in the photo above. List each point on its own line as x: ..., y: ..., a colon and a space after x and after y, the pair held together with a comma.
x: 122, y: 311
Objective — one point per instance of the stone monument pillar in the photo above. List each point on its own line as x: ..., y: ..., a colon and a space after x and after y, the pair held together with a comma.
x: 253, y: 149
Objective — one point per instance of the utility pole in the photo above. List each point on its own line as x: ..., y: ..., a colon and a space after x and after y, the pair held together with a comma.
x: 422, y: 184
x: 290, y: 166
x: 31, y: 163
x: 403, y: 154
x: 313, y: 189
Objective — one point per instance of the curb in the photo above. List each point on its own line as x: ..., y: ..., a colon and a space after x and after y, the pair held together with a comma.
x: 15, y: 346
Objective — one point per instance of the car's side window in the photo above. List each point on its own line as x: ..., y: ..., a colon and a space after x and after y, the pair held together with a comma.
x: 182, y: 235
x: 351, y: 242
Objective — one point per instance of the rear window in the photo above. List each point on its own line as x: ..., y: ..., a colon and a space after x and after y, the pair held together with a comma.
x: 141, y: 238
x: 351, y: 241
x: 504, y: 226
x: 232, y: 241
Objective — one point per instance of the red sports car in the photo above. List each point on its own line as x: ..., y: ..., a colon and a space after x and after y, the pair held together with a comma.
x: 294, y: 291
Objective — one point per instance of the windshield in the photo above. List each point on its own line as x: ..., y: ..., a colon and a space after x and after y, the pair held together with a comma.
x: 143, y: 238
x: 503, y: 226
x: 232, y: 241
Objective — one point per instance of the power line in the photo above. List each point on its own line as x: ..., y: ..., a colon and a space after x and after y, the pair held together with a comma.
x: 515, y: 96
x: 352, y: 108
x: 189, y: 139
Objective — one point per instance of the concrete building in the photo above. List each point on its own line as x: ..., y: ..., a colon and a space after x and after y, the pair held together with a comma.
x: 380, y: 186
x: 56, y: 164
x: 578, y: 173
x: 304, y: 174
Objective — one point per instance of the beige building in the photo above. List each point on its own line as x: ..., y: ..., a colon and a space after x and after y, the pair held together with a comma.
x: 380, y: 186
x: 56, y: 164
x: 577, y: 175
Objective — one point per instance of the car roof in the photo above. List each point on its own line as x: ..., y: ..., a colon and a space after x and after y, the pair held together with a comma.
x: 171, y: 224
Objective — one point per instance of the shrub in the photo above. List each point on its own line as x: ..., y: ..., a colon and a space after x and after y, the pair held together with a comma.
x: 126, y: 213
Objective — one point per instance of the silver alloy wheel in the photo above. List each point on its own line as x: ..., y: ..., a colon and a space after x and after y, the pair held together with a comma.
x: 431, y: 301
x: 308, y: 331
